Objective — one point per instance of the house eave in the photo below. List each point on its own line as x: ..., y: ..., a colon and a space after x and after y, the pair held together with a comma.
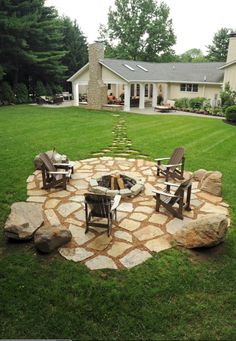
x: 110, y: 69
x: 75, y: 75
x: 227, y: 65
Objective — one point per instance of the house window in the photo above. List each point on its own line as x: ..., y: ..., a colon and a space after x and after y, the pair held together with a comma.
x: 189, y: 87
x: 132, y: 90
x: 138, y: 89
x: 146, y: 90
x: 109, y: 86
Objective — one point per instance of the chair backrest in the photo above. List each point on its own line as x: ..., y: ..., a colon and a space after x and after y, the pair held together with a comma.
x: 180, y: 190
x: 99, y: 204
x: 47, y: 162
x: 176, y: 157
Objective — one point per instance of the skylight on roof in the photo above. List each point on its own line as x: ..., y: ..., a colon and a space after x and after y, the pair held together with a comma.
x: 143, y: 68
x: 129, y: 67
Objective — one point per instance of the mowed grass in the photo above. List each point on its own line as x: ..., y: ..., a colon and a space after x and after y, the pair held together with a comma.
x: 175, y: 295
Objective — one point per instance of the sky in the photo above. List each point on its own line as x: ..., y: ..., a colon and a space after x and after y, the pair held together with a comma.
x: 194, y: 21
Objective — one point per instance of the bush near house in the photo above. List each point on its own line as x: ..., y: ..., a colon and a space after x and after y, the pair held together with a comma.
x: 199, y: 105
x: 22, y: 95
x: 230, y: 113
x: 6, y: 94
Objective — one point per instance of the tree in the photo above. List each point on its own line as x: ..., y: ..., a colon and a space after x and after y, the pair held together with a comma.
x: 217, y: 52
x: 193, y: 55
x: 138, y: 30
x: 75, y: 43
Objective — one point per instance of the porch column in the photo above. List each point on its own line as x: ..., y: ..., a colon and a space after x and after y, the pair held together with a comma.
x: 117, y: 91
x: 75, y: 90
x: 154, y: 95
x: 165, y: 93
x: 141, y: 96
x: 135, y: 90
x: 127, y: 98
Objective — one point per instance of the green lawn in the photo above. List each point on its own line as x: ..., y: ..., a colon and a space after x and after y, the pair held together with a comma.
x: 174, y: 295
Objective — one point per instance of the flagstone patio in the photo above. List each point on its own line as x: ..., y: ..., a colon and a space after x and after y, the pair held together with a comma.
x: 139, y: 231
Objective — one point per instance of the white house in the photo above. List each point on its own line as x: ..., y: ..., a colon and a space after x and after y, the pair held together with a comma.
x: 144, y: 81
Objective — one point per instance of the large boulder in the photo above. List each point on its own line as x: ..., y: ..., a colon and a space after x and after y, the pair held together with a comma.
x: 203, y: 232
x: 212, y: 183
x: 199, y: 174
x: 25, y: 218
x: 49, y: 238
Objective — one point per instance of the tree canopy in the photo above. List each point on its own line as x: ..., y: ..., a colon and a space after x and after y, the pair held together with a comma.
x: 192, y: 56
x: 217, y: 51
x: 37, y: 45
x: 139, y: 30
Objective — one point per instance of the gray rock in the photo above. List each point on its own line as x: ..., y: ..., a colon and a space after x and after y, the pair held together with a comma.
x: 212, y: 183
x: 199, y: 174
x: 48, y: 238
x: 25, y: 218
x: 203, y: 232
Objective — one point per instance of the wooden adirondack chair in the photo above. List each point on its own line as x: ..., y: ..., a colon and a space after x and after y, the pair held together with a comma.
x: 54, y: 175
x: 175, y: 167
x: 167, y: 199
x: 100, y: 206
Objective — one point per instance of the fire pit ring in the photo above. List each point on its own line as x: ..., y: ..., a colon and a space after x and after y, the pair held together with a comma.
x: 109, y: 184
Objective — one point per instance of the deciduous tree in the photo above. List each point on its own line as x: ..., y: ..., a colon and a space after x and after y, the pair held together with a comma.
x: 217, y: 51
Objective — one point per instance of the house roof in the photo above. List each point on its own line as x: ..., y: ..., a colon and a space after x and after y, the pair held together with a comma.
x: 133, y: 71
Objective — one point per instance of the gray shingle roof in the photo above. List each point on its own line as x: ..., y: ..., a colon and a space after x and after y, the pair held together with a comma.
x: 168, y: 72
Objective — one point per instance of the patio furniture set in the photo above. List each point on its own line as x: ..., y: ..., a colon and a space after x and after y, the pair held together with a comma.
x: 102, y: 206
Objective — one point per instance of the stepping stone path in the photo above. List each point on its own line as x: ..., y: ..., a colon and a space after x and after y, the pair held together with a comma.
x: 139, y: 230
x: 121, y: 145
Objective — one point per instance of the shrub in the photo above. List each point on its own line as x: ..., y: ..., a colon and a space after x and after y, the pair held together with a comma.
x: 197, y: 102
x: 228, y: 97
x: 22, y: 95
x: 230, y: 113
x: 6, y: 94
x: 182, y: 103
x: 49, y: 90
x: 40, y: 89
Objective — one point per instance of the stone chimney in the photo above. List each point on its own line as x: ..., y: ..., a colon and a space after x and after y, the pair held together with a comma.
x: 97, y: 90
x: 231, y: 56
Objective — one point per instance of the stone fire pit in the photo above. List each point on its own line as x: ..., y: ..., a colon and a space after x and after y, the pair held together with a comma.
x: 105, y: 185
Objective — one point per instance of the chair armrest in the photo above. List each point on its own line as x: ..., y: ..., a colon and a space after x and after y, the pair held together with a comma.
x: 174, y: 165
x: 162, y: 158
x: 59, y: 172
x: 164, y: 193
x: 61, y: 164
x: 171, y: 184
x: 116, y: 202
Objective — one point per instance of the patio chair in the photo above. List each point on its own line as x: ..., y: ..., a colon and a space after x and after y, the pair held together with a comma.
x: 168, y: 200
x: 175, y: 166
x: 100, y: 206
x: 54, y: 175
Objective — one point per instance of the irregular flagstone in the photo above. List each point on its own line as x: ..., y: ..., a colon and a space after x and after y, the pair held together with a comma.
x: 77, y: 198
x: 74, y: 222
x: 80, y: 215
x: 196, y: 203
x: 80, y: 175
x: 158, y: 218
x: 100, y: 243
x: 68, y: 208
x: 37, y: 199
x: 30, y: 178
x: 52, y: 203
x: 39, y: 192
x: 124, y: 235
x: 135, y: 257
x: 77, y: 254
x: 70, y: 188
x: 59, y: 194
x: 149, y: 189
x: 210, y: 208
x: 176, y: 225
x: 118, y: 248
x: 148, y: 232
x: 144, y: 209
x: 138, y: 216
x: 101, y: 262
x: 209, y: 197
x: 125, y: 207
x: 79, y: 234
x: 52, y: 217
x: 129, y: 224
x: 80, y: 184
x: 159, y: 244
x: 31, y: 185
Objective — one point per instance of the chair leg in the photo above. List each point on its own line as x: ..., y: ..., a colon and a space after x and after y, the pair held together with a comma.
x: 187, y: 206
x: 87, y: 218
x: 158, y: 202
x: 158, y: 169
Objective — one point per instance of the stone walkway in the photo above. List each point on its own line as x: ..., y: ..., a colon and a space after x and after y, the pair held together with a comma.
x: 139, y: 230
